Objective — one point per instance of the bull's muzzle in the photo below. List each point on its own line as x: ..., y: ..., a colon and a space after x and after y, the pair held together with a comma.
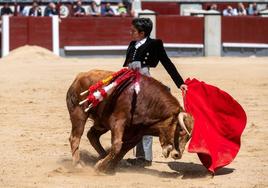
x: 166, y: 150
x: 170, y: 150
x: 176, y: 154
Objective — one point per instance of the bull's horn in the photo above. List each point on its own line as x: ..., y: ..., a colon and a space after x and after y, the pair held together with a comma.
x: 88, y: 108
x: 82, y: 102
x: 181, y: 115
x: 83, y: 93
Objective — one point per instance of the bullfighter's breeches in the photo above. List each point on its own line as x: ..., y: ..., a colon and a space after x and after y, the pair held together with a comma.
x: 144, y: 147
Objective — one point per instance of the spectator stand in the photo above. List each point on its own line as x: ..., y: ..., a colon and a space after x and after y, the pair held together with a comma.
x: 64, y: 6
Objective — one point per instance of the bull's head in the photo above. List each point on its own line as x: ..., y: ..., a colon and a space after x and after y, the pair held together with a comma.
x: 175, y: 138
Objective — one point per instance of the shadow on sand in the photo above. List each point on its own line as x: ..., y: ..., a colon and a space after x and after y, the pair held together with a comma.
x: 193, y: 170
x: 180, y: 169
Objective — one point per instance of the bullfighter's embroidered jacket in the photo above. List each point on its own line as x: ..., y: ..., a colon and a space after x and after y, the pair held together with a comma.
x: 149, y: 54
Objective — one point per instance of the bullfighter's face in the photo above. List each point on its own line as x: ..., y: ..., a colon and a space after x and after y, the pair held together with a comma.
x: 135, y: 34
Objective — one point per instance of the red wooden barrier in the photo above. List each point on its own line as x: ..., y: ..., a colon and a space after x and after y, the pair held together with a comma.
x: 180, y: 29
x: 1, y: 35
x: 18, y: 32
x: 115, y: 30
x: 162, y: 7
x: 95, y: 31
x: 245, y: 29
x: 31, y: 31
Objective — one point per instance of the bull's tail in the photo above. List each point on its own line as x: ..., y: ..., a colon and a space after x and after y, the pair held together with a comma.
x: 72, y: 98
x: 78, y: 120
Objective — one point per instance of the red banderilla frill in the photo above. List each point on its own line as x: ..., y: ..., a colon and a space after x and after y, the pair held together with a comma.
x: 101, y: 89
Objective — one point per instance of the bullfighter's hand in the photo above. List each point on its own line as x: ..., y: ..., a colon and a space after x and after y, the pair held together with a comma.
x: 184, y: 87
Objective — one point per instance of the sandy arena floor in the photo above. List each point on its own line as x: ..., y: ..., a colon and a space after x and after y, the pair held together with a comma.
x: 35, y: 124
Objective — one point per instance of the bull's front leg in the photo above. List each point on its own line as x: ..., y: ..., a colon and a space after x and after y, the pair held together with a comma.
x: 117, y: 130
x: 167, y: 136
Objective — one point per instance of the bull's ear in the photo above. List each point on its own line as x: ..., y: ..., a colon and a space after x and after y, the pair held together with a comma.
x: 180, y: 130
x: 189, y: 121
x: 183, y: 132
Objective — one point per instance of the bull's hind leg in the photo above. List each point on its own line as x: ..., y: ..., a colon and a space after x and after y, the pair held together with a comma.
x: 78, y: 119
x: 93, y: 136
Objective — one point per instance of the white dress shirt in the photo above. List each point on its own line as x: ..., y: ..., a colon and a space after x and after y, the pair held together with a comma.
x: 139, y: 43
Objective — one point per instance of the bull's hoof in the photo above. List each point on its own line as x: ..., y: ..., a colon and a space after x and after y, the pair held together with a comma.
x: 104, y: 172
x: 78, y: 166
x: 166, y: 150
x: 101, y: 168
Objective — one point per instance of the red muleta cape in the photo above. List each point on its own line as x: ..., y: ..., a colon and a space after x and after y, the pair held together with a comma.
x: 219, y: 121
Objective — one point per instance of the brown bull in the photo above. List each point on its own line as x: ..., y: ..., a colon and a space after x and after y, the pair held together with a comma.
x: 129, y: 116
